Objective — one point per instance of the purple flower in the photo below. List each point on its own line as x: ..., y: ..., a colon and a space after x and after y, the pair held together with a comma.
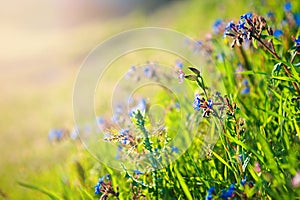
x: 257, y: 167
x: 287, y: 7
x: 278, y: 33
x: 180, y: 76
x: 296, y: 180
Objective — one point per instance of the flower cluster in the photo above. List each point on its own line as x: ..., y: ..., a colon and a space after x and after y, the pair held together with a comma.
x: 249, y: 26
x: 104, y: 187
x: 201, y: 103
x: 228, y: 193
x: 210, y: 193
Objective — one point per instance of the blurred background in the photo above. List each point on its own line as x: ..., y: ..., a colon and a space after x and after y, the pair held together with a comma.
x: 43, y: 44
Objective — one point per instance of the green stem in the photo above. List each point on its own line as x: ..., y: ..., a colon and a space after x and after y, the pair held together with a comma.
x: 286, y: 69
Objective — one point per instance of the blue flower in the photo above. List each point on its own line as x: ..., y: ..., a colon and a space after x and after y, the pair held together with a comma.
x: 228, y: 193
x: 241, y: 25
x: 278, y: 33
x: 197, y: 102
x: 230, y: 190
x: 123, y: 131
x: 247, y: 16
x: 217, y: 25
x: 210, y: 103
x: 270, y: 14
x: 246, y: 90
x: 297, y: 40
x: 179, y: 64
x: 98, y: 186
x: 141, y: 106
x: 148, y: 71
x: 229, y: 26
x: 55, y: 134
x: 287, y: 7
x: 174, y: 149
x: 243, y: 181
x: 137, y: 172
x: 211, y: 190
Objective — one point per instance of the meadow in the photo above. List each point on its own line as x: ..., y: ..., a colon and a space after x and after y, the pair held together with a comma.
x: 232, y: 134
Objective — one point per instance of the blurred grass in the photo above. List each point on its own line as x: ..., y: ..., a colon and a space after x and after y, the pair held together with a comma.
x: 38, y: 72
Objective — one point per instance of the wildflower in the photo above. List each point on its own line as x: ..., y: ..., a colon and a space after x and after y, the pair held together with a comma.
x: 217, y: 26
x: 270, y: 14
x: 246, y: 90
x: 277, y: 33
x: 257, y: 167
x: 229, y: 26
x: 55, y: 134
x: 228, y: 193
x: 249, y: 26
x: 99, y: 184
x: 241, y: 25
x: 210, y: 103
x: 141, y: 106
x: 100, y: 122
x: 74, y: 133
x: 287, y: 7
x: 297, y: 41
x: 296, y: 180
x: 177, y: 105
x: 130, y: 72
x: 198, y: 102
x: 174, y: 149
x: 148, y: 72
x: 210, y: 193
x: 247, y: 16
x: 243, y: 181
x: 239, y: 68
x: 180, y: 76
x: 124, y: 133
x: 179, y: 64
x: 137, y: 172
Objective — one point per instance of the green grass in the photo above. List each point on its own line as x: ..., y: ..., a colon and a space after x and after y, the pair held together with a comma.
x: 31, y: 168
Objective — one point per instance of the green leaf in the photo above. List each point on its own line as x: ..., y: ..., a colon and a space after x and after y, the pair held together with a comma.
x: 196, y: 71
x: 276, y: 68
x: 254, y: 42
x: 183, y: 184
x: 42, y: 190
x: 221, y: 159
x: 191, y: 77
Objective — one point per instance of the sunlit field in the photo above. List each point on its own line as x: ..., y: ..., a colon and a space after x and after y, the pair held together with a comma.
x: 233, y: 134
